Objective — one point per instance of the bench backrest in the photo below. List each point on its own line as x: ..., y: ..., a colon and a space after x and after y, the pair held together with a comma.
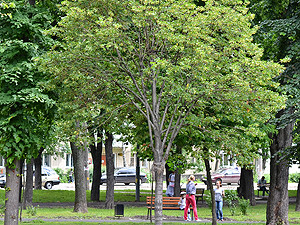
x: 166, y: 200
x: 199, y: 191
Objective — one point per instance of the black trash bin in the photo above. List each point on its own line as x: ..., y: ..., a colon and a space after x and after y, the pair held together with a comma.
x: 119, y: 210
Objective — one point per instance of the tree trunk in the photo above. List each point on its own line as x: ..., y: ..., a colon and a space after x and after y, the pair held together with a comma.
x: 246, y: 186
x: 168, y: 172
x: 177, y: 188
x: 96, y: 151
x: 298, y: 197
x: 38, y: 170
x: 212, y: 192
x: 158, y: 177
x: 12, y: 194
x: 27, y: 201
x: 80, y: 181
x: 109, y: 201
x: 86, y: 167
x: 278, y: 201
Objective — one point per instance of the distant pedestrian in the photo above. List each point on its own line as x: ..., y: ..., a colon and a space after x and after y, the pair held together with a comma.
x: 219, y: 194
x: 190, y: 198
x: 170, y: 188
x: 71, y: 176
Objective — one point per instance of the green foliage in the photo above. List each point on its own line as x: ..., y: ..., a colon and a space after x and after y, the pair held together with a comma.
x: 63, y: 177
x: 207, y: 199
x: 26, y: 107
x: 294, y: 177
x: 279, y: 36
x: 230, y: 199
x: 31, y: 210
x: 2, y: 206
x: 244, y: 205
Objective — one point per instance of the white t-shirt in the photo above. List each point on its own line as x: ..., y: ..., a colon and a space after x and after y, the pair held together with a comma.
x: 219, y: 194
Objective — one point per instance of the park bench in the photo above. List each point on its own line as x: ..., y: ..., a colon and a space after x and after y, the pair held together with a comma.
x: 169, y: 203
x: 199, y: 194
x: 258, y: 188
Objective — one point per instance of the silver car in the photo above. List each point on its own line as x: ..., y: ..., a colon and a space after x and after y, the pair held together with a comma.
x: 126, y: 176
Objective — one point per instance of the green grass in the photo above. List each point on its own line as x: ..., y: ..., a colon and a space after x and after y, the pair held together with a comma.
x: 120, y: 195
x: 255, y: 213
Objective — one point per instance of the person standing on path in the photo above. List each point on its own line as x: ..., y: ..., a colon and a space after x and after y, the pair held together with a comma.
x: 71, y: 176
x: 190, y: 198
x: 170, y: 188
x: 219, y: 194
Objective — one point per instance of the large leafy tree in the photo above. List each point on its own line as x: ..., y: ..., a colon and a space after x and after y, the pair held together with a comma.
x: 279, y: 35
x: 26, y: 106
x: 167, y: 58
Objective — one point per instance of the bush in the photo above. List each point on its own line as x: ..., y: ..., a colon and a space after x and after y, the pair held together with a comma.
x: 244, y: 205
x: 208, y: 201
x: 230, y: 199
x: 294, y: 177
x: 31, y: 210
x: 63, y: 177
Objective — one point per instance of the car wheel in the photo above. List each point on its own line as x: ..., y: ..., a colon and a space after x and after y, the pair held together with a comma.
x: 48, y: 185
x: 218, y: 180
x: 126, y: 183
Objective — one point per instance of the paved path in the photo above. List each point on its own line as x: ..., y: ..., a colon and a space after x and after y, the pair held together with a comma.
x: 128, y: 220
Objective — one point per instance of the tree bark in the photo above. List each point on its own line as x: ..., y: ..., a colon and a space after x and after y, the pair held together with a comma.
x: 246, y: 186
x: 80, y: 181
x: 12, y: 194
x: 158, y: 169
x: 278, y: 201
x: 109, y: 201
x: 168, y: 172
x: 27, y: 201
x: 177, y: 188
x: 212, y: 192
x: 38, y: 170
x: 298, y: 197
x: 96, y: 151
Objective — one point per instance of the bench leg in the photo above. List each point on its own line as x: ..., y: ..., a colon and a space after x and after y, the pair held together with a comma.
x: 148, y: 214
x: 192, y: 213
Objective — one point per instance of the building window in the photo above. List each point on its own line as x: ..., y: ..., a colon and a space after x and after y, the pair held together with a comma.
x: 46, y: 160
x: 69, y: 160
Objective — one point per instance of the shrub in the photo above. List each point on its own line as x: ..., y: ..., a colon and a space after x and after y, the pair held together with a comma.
x: 244, y: 205
x: 294, y: 177
x: 230, y: 199
x: 31, y: 210
x: 208, y: 201
x: 63, y: 177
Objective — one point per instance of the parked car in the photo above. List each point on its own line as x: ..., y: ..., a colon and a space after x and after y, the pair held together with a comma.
x: 126, y: 176
x: 49, y: 178
x: 225, y: 175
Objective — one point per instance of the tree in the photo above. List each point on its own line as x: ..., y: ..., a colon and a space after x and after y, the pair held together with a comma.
x: 167, y: 58
x: 26, y: 107
x: 279, y: 35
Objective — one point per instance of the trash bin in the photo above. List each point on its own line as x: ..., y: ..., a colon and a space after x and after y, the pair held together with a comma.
x: 119, y: 210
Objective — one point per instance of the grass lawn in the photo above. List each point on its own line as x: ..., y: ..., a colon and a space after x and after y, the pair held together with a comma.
x: 255, y: 213
x: 120, y: 195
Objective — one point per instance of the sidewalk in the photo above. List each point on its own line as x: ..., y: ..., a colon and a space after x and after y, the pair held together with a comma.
x: 129, y: 220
